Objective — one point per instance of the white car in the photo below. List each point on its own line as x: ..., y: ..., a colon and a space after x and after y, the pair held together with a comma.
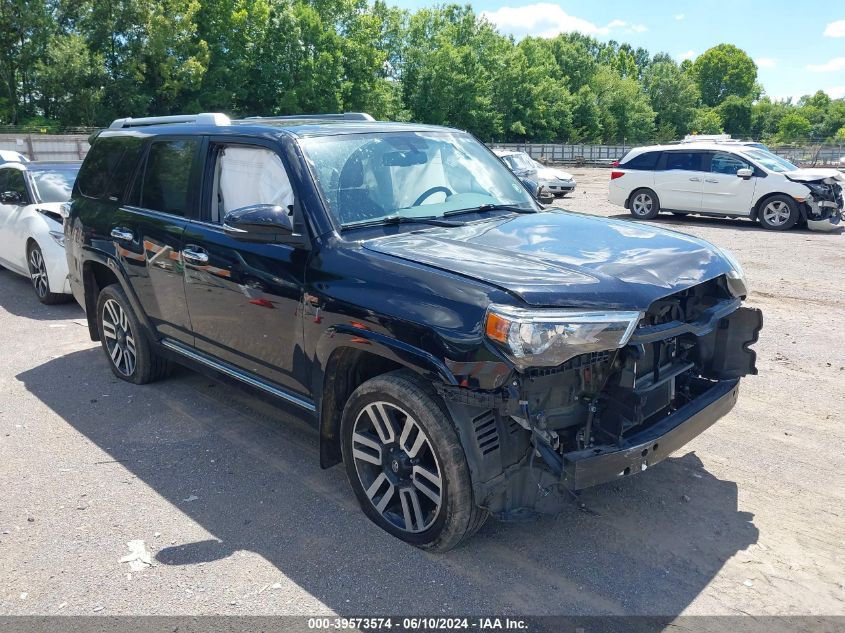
x: 556, y: 180
x: 31, y: 234
x: 726, y: 180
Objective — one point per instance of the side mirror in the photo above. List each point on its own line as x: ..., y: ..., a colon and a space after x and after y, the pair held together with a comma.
x: 11, y: 197
x: 745, y: 173
x: 538, y: 192
x: 262, y: 223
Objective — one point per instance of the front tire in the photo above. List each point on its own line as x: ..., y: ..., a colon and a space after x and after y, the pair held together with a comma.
x: 644, y: 204
x: 129, y: 353
x: 406, y: 465
x: 778, y: 213
x: 38, y: 277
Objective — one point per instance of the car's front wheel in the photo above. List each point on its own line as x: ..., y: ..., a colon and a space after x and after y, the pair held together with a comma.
x: 130, y: 355
x: 38, y: 277
x: 644, y: 204
x: 778, y: 213
x: 406, y: 464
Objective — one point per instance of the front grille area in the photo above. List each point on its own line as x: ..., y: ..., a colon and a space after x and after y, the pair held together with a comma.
x: 687, y: 305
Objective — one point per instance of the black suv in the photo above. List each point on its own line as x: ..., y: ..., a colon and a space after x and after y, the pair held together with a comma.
x: 462, y: 350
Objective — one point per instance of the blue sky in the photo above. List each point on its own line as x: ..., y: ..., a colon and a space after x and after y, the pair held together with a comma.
x: 799, y: 46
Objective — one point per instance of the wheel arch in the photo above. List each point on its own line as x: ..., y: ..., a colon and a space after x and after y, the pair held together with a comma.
x: 348, y: 357
x: 755, y: 211
x: 96, y: 275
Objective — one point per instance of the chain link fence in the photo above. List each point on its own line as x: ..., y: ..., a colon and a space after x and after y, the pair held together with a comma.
x: 75, y: 146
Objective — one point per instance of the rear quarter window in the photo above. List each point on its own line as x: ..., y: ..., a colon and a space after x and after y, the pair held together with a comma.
x: 108, y: 167
x: 644, y: 161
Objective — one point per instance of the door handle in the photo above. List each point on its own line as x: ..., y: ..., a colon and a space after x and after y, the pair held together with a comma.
x: 710, y: 180
x: 695, y: 179
x: 194, y: 256
x: 124, y: 235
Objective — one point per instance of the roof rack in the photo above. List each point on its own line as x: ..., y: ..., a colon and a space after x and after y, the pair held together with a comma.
x: 340, y: 116
x: 204, y: 118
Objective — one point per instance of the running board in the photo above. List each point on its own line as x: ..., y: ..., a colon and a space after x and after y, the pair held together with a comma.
x: 238, y: 374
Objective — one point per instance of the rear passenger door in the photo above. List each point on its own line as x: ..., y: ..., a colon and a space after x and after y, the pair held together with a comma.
x: 244, y: 297
x: 724, y: 191
x: 147, y: 231
x: 678, y: 180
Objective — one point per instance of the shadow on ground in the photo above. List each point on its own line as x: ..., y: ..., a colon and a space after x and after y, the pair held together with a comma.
x: 19, y: 299
x: 639, y: 546
x: 679, y: 222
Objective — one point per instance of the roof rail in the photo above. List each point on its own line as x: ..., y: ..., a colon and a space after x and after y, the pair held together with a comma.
x: 340, y: 116
x: 204, y: 118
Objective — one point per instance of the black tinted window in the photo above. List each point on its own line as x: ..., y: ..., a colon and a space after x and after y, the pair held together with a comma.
x: 165, y: 182
x: 726, y: 164
x: 96, y: 171
x: 689, y: 161
x: 645, y: 161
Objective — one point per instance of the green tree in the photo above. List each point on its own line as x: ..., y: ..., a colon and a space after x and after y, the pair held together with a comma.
x: 735, y: 113
x: 707, y: 121
x: 724, y: 71
x: 626, y: 114
x: 793, y: 128
x: 69, y: 81
x: 673, y: 96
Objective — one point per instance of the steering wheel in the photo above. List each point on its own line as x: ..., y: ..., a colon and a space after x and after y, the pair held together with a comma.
x: 430, y: 192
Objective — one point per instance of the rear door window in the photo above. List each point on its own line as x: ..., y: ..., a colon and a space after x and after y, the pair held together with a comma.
x: 685, y: 161
x: 645, y: 161
x: 109, y: 167
x: 164, y: 184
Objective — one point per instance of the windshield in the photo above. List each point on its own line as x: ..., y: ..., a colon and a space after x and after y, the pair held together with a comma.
x: 54, y: 184
x: 369, y: 177
x: 770, y: 161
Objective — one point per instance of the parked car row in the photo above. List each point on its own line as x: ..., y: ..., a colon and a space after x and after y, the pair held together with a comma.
x: 31, y: 232
x: 728, y: 180
x: 461, y: 350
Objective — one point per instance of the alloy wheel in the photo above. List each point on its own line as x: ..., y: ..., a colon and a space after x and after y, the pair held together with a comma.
x: 397, y: 467
x: 38, y: 272
x: 642, y: 204
x: 776, y: 213
x: 119, y: 339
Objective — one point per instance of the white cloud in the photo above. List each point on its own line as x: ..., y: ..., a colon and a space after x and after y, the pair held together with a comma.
x: 544, y: 19
x: 765, y: 62
x: 837, y: 63
x: 836, y: 92
x: 680, y: 17
x: 835, y: 29
x: 690, y: 54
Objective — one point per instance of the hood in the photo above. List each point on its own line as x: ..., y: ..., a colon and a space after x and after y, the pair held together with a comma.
x: 813, y: 174
x: 551, y: 172
x: 563, y: 259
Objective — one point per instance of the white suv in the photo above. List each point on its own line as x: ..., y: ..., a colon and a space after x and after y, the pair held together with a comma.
x: 726, y: 180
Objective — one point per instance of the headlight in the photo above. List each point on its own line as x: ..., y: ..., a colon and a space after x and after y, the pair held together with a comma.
x: 737, y: 283
x: 547, y: 338
x: 58, y: 238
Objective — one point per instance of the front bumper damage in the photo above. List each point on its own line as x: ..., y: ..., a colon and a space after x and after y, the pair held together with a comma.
x: 602, y: 417
x: 823, y: 208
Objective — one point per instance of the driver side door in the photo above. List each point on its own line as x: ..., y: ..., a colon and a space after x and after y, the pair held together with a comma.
x: 725, y: 192
x: 244, y: 297
x: 12, y: 242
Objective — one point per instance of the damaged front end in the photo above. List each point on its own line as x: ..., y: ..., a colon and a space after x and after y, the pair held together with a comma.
x: 605, y: 415
x: 823, y: 208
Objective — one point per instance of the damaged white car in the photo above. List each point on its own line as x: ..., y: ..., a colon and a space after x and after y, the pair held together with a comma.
x: 731, y: 181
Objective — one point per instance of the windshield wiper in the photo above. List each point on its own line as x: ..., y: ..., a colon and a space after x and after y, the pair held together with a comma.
x: 392, y: 220
x: 488, y: 207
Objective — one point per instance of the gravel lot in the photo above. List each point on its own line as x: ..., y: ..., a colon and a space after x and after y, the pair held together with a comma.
x: 227, y: 495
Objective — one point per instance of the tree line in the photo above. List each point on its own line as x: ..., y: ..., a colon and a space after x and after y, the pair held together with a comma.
x: 85, y: 62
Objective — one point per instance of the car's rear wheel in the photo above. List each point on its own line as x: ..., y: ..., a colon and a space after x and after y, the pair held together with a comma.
x: 778, y: 213
x: 644, y: 204
x: 38, y: 277
x: 406, y: 464
x: 130, y: 355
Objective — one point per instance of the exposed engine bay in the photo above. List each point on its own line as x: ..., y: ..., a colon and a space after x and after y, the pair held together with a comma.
x: 610, y: 414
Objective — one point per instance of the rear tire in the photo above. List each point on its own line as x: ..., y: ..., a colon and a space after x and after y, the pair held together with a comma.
x: 644, y: 204
x: 38, y: 276
x: 406, y: 465
x: 130, y: 355
x: 778, y: 213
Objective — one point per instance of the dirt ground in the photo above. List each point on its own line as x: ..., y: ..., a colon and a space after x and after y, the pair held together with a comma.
x: 227, y: 496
